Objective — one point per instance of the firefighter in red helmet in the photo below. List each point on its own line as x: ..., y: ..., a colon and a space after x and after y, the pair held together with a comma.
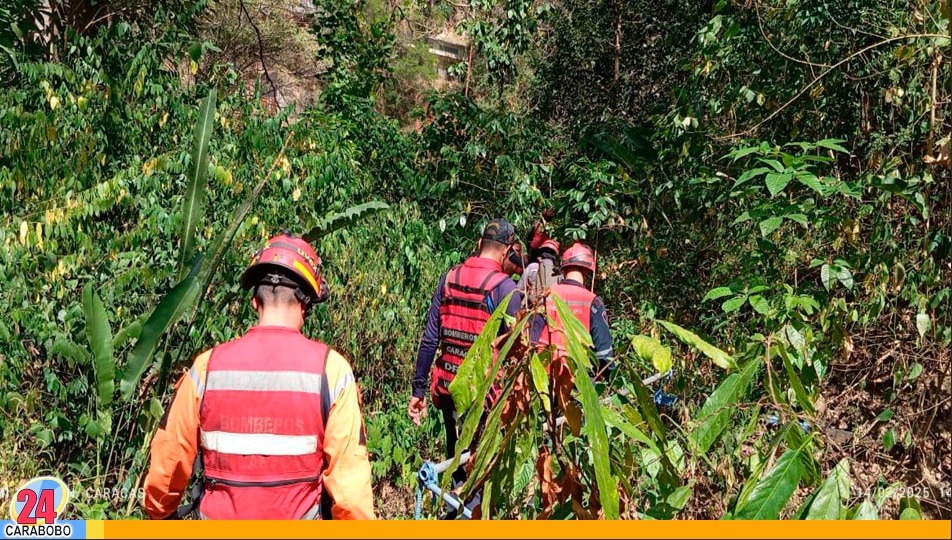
x: 578, y: 265
x: 273, y: 416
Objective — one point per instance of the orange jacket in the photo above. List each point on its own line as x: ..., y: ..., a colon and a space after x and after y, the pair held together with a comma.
x: 346, y: 475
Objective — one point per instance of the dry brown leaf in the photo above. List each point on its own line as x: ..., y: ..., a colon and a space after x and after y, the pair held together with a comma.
x: 550, y: 489
x: 573, y: 416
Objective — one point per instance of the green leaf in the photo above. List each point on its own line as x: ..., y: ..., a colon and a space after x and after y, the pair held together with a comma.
x: 832, y: 144
x: 617, y: 421
x: 717, y: 410
x: 825, y: 276
x: 910, y: 509
x: 844, y: 276
x: 811, y: 181
x: 889, y: 439
x: 594, y: 427
x: 773, y: 163
x: 830, y: 501
x: 923, y: 324
x: 741, y: 152
x: 652, y: 350
x: 798, y: 218
x: 885, y: 416
x: 770, y: 225
x: 719, y: 292
x: 718, y: 356
x: 732, y: 305
x: 341, y: 220
x: 748, y: 175
x: 803, y: 398
x: 195, y: 189
x: 71, y: 351
x: 100, y: 341
x: 914, y: 372
x: 867, y: 511
x: 772, y: 492
x: 777, y: 182
x: 165, y: 314
x: 759, y: 303
x: 680, y: 497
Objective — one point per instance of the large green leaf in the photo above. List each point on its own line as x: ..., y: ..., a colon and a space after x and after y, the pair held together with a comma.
x: 619, y: 422
x: 831, y: 498
x: 867, y: 511
x: 772, y: 492
x: 719, y: 406
x: 100, y: 341
x: 803, y: 398
x: 594, y: 426
x: 718, y: 356
x: 169, y: 310
x: 653, y: 351
x: 344, y: 219
x: 195, y: 189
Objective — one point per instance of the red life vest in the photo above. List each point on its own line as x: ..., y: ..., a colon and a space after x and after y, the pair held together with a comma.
x: 262, y: 426
x: 463, y: 315
x: 579, y: 300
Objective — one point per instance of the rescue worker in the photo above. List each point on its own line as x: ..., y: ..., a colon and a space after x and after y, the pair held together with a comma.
x: 578, y: 264
x: 274, y: 416
x: 463, y: 301
x: 540, y: 274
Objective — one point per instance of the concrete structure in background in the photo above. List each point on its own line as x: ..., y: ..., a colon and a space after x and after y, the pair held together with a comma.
x: 450, y: 48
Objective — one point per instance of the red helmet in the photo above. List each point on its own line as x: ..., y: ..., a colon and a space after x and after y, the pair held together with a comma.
x: 550, y: 245
x: 579, y: 256
x: 293, y: 255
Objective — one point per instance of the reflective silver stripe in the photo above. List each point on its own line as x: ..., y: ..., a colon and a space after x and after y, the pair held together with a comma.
x: 264, y: 381
x: 342, y: 383
x: 603, y: 353
x: 197, y: 379
x: 265, y: 444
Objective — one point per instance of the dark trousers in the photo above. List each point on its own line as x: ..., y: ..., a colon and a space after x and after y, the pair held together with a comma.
x: 451, y: 425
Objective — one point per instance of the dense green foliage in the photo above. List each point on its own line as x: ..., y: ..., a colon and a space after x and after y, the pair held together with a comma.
x: 771, y: 177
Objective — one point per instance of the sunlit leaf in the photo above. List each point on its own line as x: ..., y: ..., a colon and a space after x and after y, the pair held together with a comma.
x: 831, y: 498
x: 195, y: 189
x: 773, y: 491
x: 923, y: 324
x: 719, y: 292
x: 100, y: 341
x: 718, y: 356
x: 652, y: 350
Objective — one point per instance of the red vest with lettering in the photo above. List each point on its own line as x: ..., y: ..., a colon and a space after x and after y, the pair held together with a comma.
x: 262, y: 427
x: 579, y: 300
x: 463, y: 315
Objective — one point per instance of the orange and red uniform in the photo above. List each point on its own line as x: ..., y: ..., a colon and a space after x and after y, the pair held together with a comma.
x: 277, y: 419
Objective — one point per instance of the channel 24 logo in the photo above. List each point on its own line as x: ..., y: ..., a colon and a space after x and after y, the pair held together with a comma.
x: 35, y: 507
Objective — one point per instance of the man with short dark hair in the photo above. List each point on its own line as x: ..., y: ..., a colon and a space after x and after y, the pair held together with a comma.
x: 463, y: 301
x: 274, y: 416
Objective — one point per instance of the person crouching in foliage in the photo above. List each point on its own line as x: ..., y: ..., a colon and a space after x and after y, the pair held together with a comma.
x: 540, y: 274
x: 578, y: 264
x: 463, y: 301
x: 274, y: 416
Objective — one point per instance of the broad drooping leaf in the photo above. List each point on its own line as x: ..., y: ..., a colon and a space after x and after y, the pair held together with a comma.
x: 867, y: 511
x: 169, y: 310
x: 195, y: 189
x: 100, y: 341
x: 771, y: 493
x: 344, y: 219
x: 910, y: 509
x: 717, y: 410
x: 803, y: 398
x: 718, y: 356
x: 653, y: 351
x: 594, y: 426
x: 718, y: 292
x: 830, y: 500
